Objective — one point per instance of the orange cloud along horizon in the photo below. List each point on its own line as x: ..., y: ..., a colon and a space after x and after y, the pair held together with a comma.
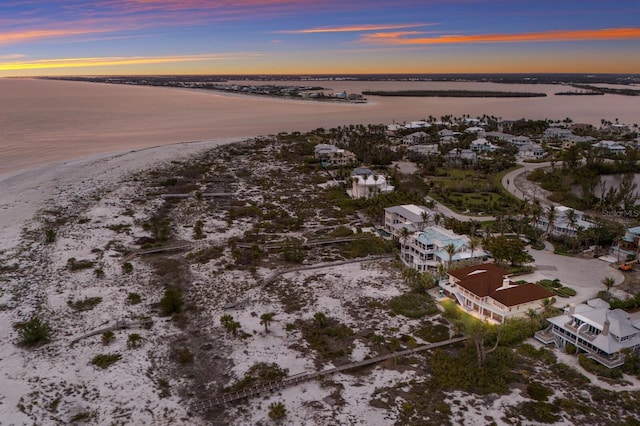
x: 400, y: 38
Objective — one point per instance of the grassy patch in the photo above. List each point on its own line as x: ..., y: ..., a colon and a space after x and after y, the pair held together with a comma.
x: 85, y: 304
x: 258, y: 374
x: 105, y: 360
x: 461, y: 371
x: 413, y: 305
x: 330, y: 338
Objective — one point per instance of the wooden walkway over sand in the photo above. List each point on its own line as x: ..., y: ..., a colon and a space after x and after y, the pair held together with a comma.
x: 204, y: 406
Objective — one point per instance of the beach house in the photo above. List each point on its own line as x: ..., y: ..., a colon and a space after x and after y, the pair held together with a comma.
x: 567, y: 222
x: 595, y: 329
x: 367, y: 184
x: 410, y: 216
x: 486, y: 291
x: 433, y: 246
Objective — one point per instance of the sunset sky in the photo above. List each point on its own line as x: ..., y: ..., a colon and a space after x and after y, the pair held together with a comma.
x: 91, y: 37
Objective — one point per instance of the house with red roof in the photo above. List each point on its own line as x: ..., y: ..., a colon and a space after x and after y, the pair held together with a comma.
x: 487, y: 291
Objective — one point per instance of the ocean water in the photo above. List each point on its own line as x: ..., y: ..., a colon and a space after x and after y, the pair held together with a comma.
x: 46, y: 121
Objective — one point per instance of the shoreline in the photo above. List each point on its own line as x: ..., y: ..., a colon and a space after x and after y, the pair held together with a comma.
x: 24, y: 192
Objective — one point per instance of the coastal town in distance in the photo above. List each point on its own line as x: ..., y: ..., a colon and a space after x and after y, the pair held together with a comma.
x: 431, y: 271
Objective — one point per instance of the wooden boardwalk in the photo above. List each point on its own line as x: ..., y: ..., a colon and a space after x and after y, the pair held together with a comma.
x: 119, y: 325
x: 312, y: 243
x: 204, y: 406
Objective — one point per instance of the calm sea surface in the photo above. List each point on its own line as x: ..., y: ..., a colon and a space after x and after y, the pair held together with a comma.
x: 45, y: 121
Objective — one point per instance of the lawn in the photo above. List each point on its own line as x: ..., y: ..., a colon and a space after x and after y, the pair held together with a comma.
x: 453, y: 312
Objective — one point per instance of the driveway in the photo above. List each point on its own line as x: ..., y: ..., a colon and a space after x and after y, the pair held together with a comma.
x: 583, y: 275
x: 441, y: 208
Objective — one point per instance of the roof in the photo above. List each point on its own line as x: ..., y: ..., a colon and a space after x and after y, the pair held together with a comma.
x: 481, y: 280
x: 522, y: 293
x: 488, y: 279
x: 411, y: 212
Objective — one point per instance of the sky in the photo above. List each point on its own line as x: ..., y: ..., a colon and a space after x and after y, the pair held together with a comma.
x: 160, y: 37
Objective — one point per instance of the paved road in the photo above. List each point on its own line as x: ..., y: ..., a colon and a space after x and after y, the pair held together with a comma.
x: 515, y: 182
x: 583, y: 275
x: 441, y: 208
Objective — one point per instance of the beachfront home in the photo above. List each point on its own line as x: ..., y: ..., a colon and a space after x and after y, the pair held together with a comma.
x: 628, y: 245
x: 518, y: 141
x: 474, y: 129
x: 366, y: 184
x: 499, y: 136
x: 611, y: 147
x: 331, y: 155
x: 427, y: 249
x: 413, y: 218
x: 595, y: 329
x: 417, y: 125
x: 483, y: 145
x: 414, y: 138
x: 567, y: 222
x: 446, y: 132
x: 486, y: 291
x: 448, y: 139
x: 431, y: 149
x: 557, y: 133
x: 531, y: 151
x: 460, y: 156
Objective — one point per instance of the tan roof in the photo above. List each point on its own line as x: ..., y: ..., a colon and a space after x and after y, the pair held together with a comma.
x: 487, y: 279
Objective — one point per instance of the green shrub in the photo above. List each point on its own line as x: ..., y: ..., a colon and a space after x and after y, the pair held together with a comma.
x: 134, y: 298
x: 258, y: 374
x: 538, y: 391
x: 76, y: 265
x: 171, y: 303
x: 105, y: 360
x: 570, y: 348
x: 34, y: 332
x: 413, y: 305
x: 198, y: 232
x: 539, y: 411
x: 598, y: 369
x: 433, y: 333
x: 50, y: 235
x: 86, y: 304
x: 134, y: 341
x: 277, y: 411
x: 461, y: 372
x: 127, y: 267
x: 108, y: 337
x: 184, y: 356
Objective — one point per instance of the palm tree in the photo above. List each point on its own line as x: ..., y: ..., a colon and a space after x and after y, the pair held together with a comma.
x: 277, y: 411
x: 451, y: 250
x: 608, y: 283
x: 474, y: 243
x: 546, y: 305
x: 572, y: 218
x: 404, y: 236
x: 266, y: 320
x: 229, y: 324
x: 437, y: 218
x: 425, y: 216
x: 551, y: 218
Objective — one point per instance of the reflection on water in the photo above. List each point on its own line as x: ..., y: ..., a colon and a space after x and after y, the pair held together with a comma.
x: 44, y: 121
